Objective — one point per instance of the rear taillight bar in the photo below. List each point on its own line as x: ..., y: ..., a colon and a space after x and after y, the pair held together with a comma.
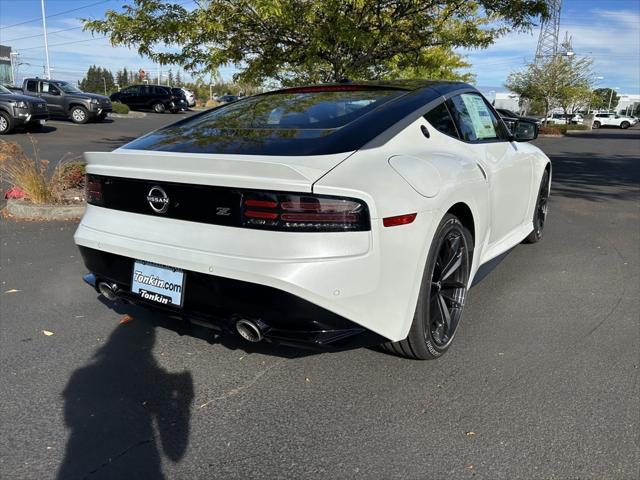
x: 303, y: 212
x: 93, y: 189
x: 259, y: 209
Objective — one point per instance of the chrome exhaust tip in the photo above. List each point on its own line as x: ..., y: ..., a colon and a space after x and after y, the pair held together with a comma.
x: 249, y: 330
x: 108, y: 290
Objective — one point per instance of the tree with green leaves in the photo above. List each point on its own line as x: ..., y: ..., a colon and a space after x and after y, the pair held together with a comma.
x: 558, y: 81
x: 604, y: 99
x: 304, y: 41
x: 97, y: 80
x: 122, y: 77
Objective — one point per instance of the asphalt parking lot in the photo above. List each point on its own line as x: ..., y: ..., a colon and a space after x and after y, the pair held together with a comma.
x: 541, y: 383
x: 62, y: 140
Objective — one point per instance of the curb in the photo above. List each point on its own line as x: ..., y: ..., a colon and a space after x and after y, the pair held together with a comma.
x: 23, y: 210
x: 128, y: 115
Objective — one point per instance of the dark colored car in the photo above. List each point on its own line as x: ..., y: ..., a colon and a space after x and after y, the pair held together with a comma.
x: 65, y: 99
x: 17, y: 110
x: 150, y: 97
x: 227, y: 98
x: 504, y: 113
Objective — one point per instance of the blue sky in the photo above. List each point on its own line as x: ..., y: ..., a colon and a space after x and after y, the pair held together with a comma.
x: 606, y: 30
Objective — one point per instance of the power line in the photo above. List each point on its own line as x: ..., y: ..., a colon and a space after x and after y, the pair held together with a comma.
x: 41, y: 34
x: 57, y: 14
x: 63, y: 43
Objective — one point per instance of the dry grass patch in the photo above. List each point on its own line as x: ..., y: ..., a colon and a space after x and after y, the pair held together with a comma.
x: 29, y: 173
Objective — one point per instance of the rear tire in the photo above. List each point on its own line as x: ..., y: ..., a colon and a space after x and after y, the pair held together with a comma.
x: 6, y: 123
x: 624, y: 125
x: 540, y: 212
x: 442, y: 294
x: 79, y: 115
x: 159, y: 107
x: 595, y: 125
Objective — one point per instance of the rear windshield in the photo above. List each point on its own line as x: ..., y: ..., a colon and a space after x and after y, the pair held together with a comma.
x: 305, y: 110
x: 310, y: 120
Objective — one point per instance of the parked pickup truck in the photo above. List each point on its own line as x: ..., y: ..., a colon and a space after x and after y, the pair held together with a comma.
x: 17, y: 110
x: 65, y: 99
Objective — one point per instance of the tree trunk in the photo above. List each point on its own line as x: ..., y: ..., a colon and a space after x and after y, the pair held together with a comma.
x: 546, y: 112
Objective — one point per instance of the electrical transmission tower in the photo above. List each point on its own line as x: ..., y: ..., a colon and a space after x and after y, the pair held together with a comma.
x: 549, y: 32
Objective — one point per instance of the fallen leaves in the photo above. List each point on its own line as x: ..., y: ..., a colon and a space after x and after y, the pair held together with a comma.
x: 13, y: 290
x: 126, y: 318
x: 470, y: 434
x: 47, y: 333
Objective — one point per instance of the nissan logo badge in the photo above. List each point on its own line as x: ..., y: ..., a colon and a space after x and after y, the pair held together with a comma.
x: 158, y: 199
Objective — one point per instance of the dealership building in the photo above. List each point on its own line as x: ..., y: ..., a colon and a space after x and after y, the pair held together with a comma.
x: 6, y: 72
x: 511, y: 101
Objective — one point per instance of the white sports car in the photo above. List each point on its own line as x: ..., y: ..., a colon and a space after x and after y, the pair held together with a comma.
x: 330, y: 216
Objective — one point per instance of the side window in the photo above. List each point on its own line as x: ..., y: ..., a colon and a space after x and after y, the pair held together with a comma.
x: 441, y: 120
x: 145, y: 90
x: 474, y: 119
x: 32, y: 86
x: 130, y: 90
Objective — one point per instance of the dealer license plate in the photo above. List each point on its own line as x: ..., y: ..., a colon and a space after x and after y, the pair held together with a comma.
x: 158, y: 283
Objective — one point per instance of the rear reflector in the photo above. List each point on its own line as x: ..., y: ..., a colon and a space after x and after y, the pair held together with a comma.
x: 399, y: 220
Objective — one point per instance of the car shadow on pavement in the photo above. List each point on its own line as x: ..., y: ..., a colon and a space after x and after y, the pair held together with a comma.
x: 115, y: 142
x: 22, y: 131
x: 123, y: 410
x: 595, y: 177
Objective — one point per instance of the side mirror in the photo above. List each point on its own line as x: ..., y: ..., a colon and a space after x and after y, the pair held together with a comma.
x: 54, y: 92
x: 524, y: 131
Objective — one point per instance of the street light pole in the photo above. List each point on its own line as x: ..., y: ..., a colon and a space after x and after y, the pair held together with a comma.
x: 46, y: 41
x: 104, y: 82
x: 611, y: 98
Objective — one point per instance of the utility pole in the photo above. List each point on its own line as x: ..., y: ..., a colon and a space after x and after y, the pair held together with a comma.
x: 611, y: 98
x: 549, y: 32
x: 46, y: 41
x: 104, y: 82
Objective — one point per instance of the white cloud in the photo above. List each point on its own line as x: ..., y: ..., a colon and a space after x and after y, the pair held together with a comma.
x: 611, y: 38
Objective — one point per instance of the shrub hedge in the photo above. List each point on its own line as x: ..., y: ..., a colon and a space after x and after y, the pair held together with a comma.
x: 120, y: 108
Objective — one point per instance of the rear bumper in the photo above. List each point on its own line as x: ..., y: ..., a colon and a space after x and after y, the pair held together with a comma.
x: 370, y: 278
x: 219, y: 303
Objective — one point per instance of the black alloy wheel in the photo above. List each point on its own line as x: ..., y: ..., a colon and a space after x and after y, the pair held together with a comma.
x: 541, y: 210
x: 625, y: 125
x: 442, y: 294
x: 448, y: 288
x: 595, y: 125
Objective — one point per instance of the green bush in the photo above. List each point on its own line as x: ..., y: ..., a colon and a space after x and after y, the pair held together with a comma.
x: 560, y: 129
x: 120, y: 108
x: 564, y: 128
